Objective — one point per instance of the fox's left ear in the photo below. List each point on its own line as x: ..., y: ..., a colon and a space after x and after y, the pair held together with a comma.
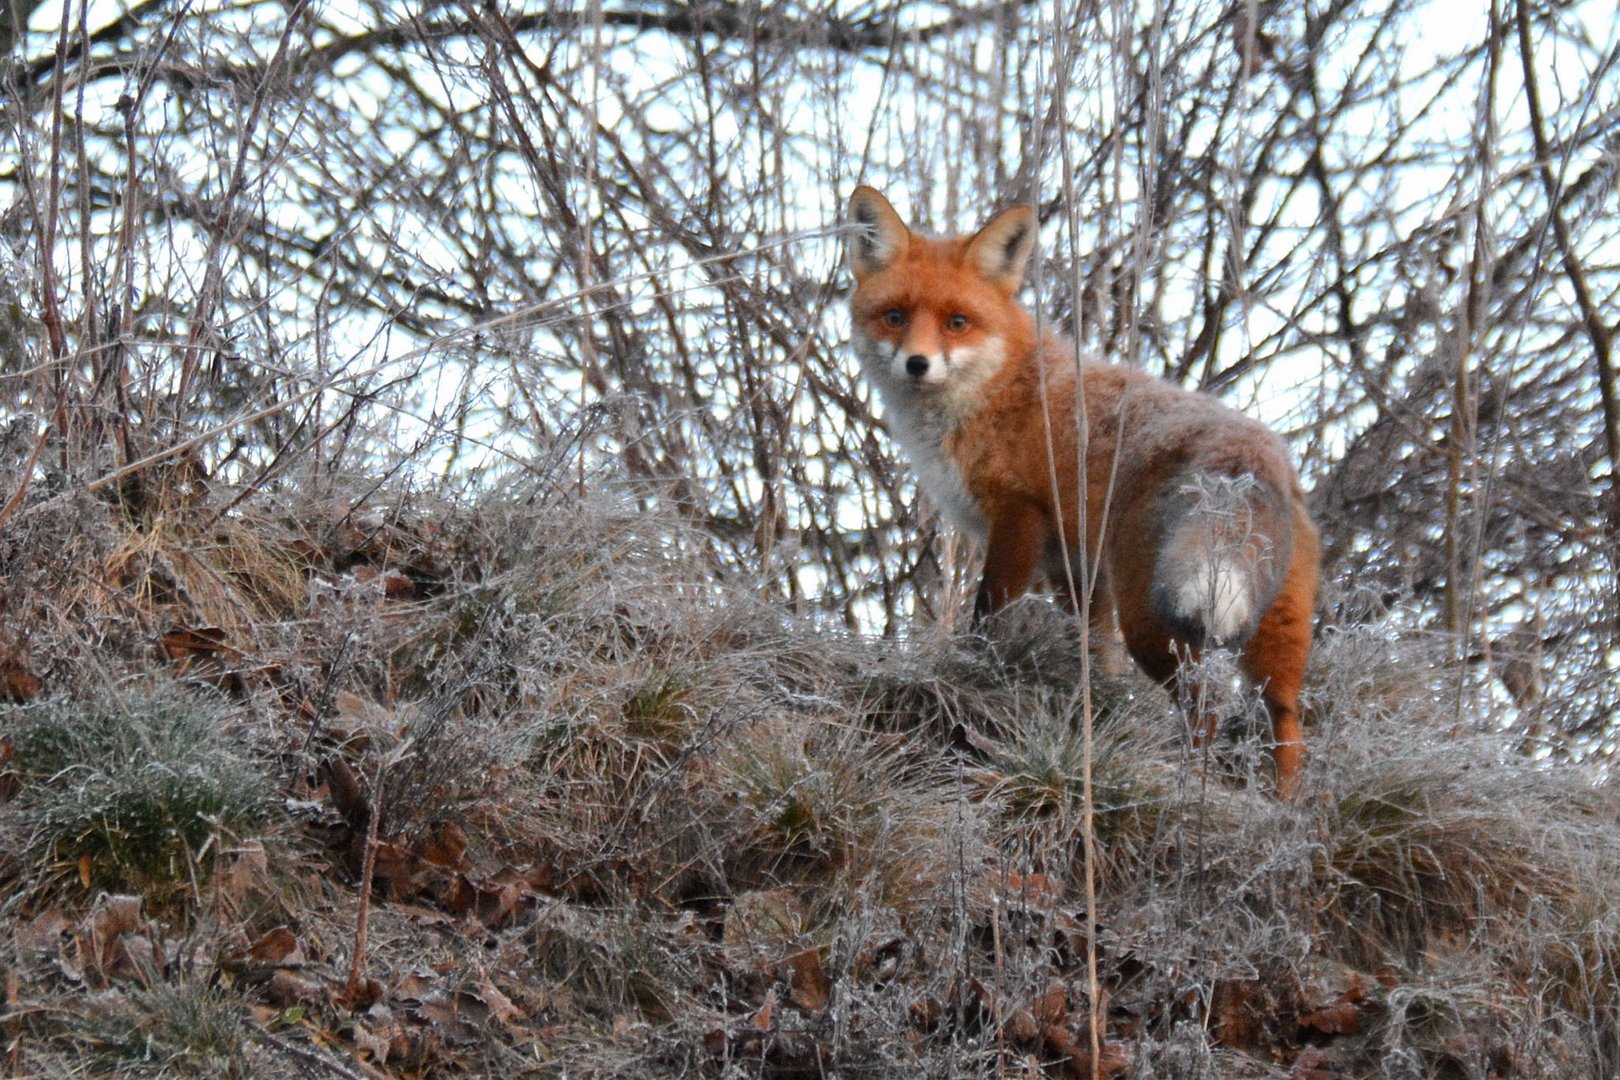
x: 1001, y: 249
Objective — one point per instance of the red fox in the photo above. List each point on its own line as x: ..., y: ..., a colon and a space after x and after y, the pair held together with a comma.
x: 1194, y: 521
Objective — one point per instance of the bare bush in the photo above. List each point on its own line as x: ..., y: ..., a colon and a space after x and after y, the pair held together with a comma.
x: 461, y: 391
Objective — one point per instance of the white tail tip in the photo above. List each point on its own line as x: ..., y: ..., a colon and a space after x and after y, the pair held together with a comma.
x: 1216, y: 596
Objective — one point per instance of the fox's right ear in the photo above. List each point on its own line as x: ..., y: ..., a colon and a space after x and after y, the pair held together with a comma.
x: 878, y: 234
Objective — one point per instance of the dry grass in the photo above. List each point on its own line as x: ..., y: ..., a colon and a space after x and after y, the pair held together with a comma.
x: 633, y: 821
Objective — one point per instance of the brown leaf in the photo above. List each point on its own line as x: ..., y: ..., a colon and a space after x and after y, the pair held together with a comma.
x: 1340, y: 1018
x: 348, y: 794
x: 808, y: 985
x: 278, y: 948
x: 370, y: 1043
x: 766, y: 1015
x: 17, y: 684
x: 446, y: 846
x: 366, y: 993
x: 113, y: 942
x: 182, y: 642
x: 500, y: 1006
x: 288, y: 987
x: 1051, y: 1007
x: 1113, y: 1058
x: 491, y: 904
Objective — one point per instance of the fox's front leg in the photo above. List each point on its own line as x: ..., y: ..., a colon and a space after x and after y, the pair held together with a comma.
x: 1017, y: 534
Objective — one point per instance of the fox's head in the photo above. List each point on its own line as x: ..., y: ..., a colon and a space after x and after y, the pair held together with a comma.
x: 936, y: 314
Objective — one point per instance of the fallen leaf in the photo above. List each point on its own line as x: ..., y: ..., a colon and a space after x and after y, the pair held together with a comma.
x: 182, y: 642
x: 446, y: 846
x: 491, y: 905
x: 361, y: 996
x: 17, y: 684
x: 808, y: 985
x: 500, y: 1006
x: 101, y: 943
x: 1340, y: 1018
x: 278, y: 948
x: 458, y: 1017
x: 370, y: 1043
x: 288, y: 988
x: 766, y: 1014
x: 1051, y: 1007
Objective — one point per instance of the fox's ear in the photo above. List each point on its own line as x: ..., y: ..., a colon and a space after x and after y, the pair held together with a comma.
x: 1001, y: 249
x: 878, y: 235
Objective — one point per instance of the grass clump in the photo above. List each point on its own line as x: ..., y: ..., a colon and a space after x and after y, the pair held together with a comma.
x: 811, y: 808
x: 189, y: 1029
x: 130, y: 791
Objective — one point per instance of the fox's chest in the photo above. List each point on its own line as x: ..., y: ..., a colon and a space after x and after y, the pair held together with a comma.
x: 926, y: 441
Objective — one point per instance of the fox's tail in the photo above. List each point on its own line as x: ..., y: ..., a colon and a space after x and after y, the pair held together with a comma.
x: 1226, y: 547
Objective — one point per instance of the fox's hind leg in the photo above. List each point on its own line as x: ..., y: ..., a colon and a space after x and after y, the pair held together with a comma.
x: 1169, y: 662
x: 1274, y: 659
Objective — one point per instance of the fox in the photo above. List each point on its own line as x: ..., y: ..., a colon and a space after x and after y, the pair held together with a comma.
x: 1184, y: 518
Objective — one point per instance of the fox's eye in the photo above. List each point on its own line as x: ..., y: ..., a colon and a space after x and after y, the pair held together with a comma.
x: 894, y: 317
x: 957, y: 323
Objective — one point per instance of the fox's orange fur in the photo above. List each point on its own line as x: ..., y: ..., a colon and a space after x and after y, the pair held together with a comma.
x: 1193, y: 517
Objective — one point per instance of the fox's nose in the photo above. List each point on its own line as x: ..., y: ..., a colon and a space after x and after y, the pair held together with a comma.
x: 916, y: 365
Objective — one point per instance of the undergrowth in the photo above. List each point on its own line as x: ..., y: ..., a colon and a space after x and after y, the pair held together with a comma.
x: 623, y: 819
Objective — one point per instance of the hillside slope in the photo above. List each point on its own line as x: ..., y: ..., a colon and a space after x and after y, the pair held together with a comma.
x: 622, y: 818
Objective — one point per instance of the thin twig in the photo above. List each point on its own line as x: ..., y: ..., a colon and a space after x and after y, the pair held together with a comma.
x: 1598, y: 333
